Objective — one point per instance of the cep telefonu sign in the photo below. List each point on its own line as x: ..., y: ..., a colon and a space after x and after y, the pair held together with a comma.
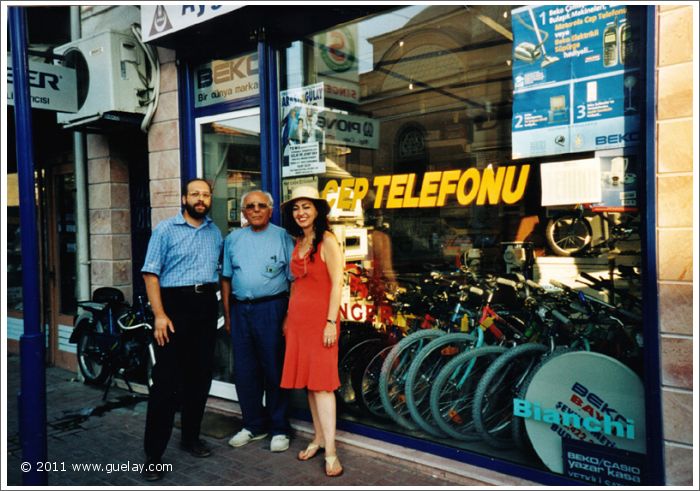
x: 472, y: 186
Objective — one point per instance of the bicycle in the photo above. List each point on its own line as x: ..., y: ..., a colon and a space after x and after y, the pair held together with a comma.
x: 492, y: 411
x: 570, y: 233
x: 113, y: 338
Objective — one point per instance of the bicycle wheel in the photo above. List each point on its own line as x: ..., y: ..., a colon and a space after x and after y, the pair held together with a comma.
x: 568, y: 235
x: 392, y: 378
x: 518, y: 432
x: 452, y: 395
x: 92, y: 351
x: 423, y: 371
x: 346, y: 393
x: 492, y: 411
x: 366, y: 381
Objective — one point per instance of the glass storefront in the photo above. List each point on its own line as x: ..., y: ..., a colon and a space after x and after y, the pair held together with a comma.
x: 14, y: 246
x: 483, y: 166
x: 229, y: 153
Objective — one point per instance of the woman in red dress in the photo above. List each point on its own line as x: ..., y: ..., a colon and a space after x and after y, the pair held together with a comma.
x: 312, y: 326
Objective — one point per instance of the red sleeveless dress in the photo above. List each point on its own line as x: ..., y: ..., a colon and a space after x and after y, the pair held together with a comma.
x: 307, y: 363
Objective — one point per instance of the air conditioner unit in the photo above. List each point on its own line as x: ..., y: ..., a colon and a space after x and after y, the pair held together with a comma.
x: 110, y: 89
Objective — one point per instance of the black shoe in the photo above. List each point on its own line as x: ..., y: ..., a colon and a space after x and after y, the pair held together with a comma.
x: 152, y: 470
x: 197, y: 449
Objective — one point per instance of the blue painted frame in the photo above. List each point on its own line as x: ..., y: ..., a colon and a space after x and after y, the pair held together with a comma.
x: 271, y: 171
x: 269, y: 133
x: 652, y: 345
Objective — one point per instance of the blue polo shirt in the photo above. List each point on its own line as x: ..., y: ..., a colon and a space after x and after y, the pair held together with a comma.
x: 183, y: 255
x: 258, y: 262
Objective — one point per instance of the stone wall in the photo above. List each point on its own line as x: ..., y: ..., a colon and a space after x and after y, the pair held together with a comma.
x: 674, y: 179
x: 109, y: 215
x: 164, y: 144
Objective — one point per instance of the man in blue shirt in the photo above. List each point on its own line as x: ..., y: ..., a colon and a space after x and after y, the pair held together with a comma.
x: 181, y: 272
x: 254, y: 287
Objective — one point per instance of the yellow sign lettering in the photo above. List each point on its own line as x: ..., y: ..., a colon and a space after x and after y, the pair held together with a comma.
x: 396, y: 190
x: 489, y: 186
x: 429, y: 189
x: 380, y: 182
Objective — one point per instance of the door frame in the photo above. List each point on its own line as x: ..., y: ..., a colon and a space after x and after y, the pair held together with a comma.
x: 54, y: 318
x: 225, y: 390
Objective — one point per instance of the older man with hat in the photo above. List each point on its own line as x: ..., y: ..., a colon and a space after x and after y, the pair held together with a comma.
x: 255, y: 289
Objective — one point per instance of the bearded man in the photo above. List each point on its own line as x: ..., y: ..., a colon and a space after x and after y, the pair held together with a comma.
x: 181, y: 272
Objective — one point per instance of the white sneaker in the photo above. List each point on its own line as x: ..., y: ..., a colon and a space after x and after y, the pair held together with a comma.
x: 244, y: 436
x: 279, y: 443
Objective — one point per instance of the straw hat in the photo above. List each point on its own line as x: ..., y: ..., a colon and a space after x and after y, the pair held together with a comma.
x: 310, y: 193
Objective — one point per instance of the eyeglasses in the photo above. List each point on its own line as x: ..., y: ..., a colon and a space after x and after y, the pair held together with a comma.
x: 262, y: 206
x: 197, y: 194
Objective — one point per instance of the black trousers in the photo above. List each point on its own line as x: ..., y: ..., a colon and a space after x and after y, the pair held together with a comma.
x: 183, y: 370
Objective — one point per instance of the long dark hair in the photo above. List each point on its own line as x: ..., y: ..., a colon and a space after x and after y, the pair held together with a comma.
x: 320, y: 225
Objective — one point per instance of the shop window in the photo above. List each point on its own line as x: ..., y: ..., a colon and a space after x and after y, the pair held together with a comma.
x: 482, y: 163
x: 14, y: 246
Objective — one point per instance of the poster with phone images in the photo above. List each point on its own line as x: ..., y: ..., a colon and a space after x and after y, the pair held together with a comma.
x: 577, y: 78
x: 302, y: 137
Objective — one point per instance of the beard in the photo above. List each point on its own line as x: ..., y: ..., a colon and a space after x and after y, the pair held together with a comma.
x: 197, y: 215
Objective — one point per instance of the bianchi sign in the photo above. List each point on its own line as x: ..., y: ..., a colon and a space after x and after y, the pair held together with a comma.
x: 161, y: 20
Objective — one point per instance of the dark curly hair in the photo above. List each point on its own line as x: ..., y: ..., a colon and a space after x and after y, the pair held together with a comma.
x: 321, y: 225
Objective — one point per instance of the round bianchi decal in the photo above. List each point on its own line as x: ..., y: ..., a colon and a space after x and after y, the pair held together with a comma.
x: 586, y: 396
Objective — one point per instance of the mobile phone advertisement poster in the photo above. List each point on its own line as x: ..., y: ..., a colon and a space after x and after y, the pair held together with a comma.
x: 577, y: 78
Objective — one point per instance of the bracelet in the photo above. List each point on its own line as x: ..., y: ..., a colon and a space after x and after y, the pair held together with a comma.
x: 330, y: 321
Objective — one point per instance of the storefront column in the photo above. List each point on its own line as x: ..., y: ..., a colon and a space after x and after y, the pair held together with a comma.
x: 110, y: 217
x: 674, y: 178
x: 164, y: 144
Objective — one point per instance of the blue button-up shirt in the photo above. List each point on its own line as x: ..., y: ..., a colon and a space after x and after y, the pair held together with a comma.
x: 183, y: 255
x: 258, y: 262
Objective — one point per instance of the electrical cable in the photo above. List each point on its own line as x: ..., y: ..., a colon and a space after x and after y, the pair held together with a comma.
x: 152, y: 85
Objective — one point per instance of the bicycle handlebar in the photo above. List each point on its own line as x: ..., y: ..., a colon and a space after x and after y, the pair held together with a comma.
x: 534, y: 285
x: 507, y: 282
x: 476, y: 291
x: 145, y: 325
x: 560, y: 317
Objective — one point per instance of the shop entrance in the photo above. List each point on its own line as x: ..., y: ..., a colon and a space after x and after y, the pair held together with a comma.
x: 61, y: 257
x: 228, y: 156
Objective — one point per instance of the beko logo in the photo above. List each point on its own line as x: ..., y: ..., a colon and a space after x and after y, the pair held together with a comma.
x: 616, y: 138
x: 227, y: 71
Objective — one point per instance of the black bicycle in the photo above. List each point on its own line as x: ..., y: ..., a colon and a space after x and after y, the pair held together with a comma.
x: 114, y: 338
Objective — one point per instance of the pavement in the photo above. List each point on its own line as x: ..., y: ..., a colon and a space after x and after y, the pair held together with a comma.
x: 92, y: 442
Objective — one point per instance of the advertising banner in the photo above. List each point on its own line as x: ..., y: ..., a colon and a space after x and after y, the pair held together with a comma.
x: 577, y: 78
x: 348, y: 129
x: 335, y: 54
x: 161, y: 20
x: 51, y: 87
x: 302, y: 137
x: 226, y: 80
x: 583, y: 396
x: 619, y: 177
x: 602, y: 465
